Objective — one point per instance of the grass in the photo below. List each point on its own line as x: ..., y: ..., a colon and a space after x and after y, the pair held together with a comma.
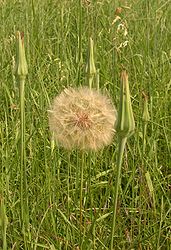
x: 56, y: 40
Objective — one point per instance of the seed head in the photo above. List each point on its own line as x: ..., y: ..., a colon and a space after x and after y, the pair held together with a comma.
x: 82, y: 118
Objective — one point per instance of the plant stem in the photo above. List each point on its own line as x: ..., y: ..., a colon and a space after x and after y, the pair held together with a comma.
x: 22, y: 144
x: 22, y: 161
x: 81, y: 195
x: 68, y: 200
x: 122, y: 142
x: 80, y: 34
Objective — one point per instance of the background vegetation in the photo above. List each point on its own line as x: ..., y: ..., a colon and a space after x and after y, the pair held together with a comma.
x: 56, y: 41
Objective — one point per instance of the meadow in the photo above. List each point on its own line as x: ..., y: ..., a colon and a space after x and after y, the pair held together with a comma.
x: 40, y: 203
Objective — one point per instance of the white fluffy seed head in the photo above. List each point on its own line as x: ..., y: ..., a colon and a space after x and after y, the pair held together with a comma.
x: 82, y: 118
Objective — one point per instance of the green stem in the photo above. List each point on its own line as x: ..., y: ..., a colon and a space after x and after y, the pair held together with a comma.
x: 80, y: 34
x: 122, y: 142
x: 22, y: 144
x: 68, y: 185
x: 23, y: 187
x: 81, y: 197
x: 79, y: 57
x: 90, y: 159
x: 68, y: 200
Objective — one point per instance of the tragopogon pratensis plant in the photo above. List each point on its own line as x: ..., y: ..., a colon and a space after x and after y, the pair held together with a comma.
x: 82, y: 118
x: 125, y: 128
x: 21, y: 72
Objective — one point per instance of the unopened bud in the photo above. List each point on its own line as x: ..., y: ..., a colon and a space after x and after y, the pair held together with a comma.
x: 21, y: 69
x: 146, y: 116
x: 126, y: 124
x: 90, y: 67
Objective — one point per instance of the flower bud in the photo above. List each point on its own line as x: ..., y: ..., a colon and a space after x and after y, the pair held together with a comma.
x: 21, y: 69
x: 125, y: 125
x: 146, y: 116
x: 90, y: 67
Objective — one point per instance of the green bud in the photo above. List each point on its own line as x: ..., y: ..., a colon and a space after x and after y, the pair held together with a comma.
x: 21, y: 69
x: 90, y: 67
x: 146, y: 116
x: 126, y: 124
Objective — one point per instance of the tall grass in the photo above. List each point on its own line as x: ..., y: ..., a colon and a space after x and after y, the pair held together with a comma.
x: 56, y: 40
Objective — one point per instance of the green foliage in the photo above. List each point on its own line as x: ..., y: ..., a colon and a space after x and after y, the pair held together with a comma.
x: 56, y: 35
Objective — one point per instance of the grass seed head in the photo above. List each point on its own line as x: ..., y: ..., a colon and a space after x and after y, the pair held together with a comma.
x: 82, y: 118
